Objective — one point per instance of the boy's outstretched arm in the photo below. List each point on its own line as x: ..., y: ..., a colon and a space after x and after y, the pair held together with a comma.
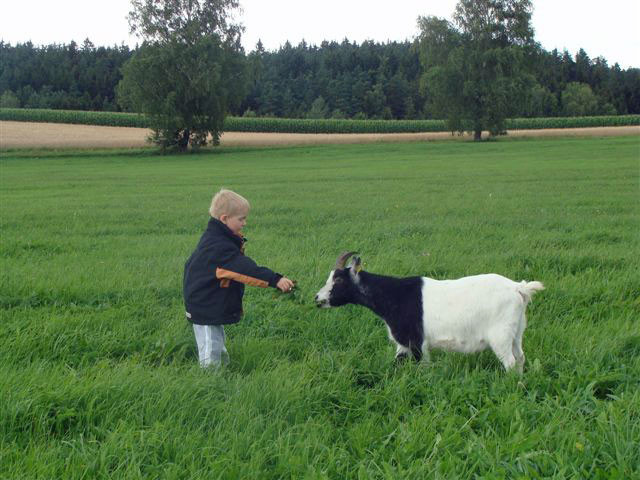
x: 240, y: 268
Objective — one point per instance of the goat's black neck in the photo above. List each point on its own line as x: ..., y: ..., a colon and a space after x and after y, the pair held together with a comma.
x: 376, y: 292
x: 398, y: 301
x: 387, y: 295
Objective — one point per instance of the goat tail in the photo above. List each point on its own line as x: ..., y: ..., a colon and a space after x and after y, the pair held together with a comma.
x: 528, y: 289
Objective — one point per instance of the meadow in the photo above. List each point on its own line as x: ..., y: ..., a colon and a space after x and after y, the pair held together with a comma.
x: 98, y: 366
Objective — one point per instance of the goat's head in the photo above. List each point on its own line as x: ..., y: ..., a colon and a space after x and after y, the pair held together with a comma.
x: 341, y: 287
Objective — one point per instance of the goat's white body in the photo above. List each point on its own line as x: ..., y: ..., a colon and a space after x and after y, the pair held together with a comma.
x: 473, y: 313
x: 463, y: 315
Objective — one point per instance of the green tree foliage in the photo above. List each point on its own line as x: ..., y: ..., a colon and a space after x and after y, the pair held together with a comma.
x: 367, y: 80
x: 578, y: 100
x: 62, y: 76
x: 318, y: 109
x: 539, y: 102
x: 189, y: 71
x: 8, y: 99
x: 475, y: 75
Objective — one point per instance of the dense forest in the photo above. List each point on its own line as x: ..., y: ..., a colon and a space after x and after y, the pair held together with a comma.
x: 339, y: 80
x: 61, y: 76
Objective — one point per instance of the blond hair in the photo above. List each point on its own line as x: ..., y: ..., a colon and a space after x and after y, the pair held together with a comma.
x: 227, y: 202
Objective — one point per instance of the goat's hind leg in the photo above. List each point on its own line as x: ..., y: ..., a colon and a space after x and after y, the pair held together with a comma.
x: 503, y: 349
x: 518, y: 354
x: 517, y: 345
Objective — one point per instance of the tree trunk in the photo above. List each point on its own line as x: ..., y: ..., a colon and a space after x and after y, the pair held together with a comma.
x: 183, y: 141
x: 477, y: 135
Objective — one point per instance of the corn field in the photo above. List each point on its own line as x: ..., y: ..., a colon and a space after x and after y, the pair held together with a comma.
x: 296, y: 125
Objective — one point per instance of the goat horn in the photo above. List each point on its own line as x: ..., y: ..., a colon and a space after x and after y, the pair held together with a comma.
x: 342, y: 259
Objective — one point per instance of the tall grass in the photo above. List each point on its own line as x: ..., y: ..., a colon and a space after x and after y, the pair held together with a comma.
x: 98, y: 368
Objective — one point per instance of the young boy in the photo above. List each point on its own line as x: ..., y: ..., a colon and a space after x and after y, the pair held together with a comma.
x: 216, y: 273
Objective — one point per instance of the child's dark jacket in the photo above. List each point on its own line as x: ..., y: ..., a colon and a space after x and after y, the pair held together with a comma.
x: 215, y: 275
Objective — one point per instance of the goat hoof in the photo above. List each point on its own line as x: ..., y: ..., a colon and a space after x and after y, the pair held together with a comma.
x: 401, y: 358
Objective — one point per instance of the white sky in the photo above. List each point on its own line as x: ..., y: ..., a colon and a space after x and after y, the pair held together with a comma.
x: 608, y: 29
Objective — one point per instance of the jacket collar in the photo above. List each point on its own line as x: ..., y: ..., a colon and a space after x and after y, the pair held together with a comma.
x: 216, y: 225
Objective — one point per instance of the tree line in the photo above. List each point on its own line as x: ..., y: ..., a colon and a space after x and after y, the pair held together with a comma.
x: 61, y: 76
x: 331, y: 80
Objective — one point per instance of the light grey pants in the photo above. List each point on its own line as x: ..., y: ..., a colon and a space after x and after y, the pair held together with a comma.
x: 211, y: 349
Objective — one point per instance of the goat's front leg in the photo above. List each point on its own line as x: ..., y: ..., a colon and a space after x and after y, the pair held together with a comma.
x: 402, y: 353
x: 418, y: 353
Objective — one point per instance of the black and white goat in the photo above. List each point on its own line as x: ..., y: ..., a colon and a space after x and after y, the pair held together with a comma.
x: 465, y: 315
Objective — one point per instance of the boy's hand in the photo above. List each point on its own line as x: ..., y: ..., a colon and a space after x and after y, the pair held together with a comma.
x: 285, y: 285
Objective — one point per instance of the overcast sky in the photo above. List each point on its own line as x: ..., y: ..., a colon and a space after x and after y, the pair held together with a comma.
x: 608, y: 29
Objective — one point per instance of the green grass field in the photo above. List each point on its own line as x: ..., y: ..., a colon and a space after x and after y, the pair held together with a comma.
x: 98, y: 367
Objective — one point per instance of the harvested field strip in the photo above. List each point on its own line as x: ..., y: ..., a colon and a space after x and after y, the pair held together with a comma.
x: 56, y: 135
